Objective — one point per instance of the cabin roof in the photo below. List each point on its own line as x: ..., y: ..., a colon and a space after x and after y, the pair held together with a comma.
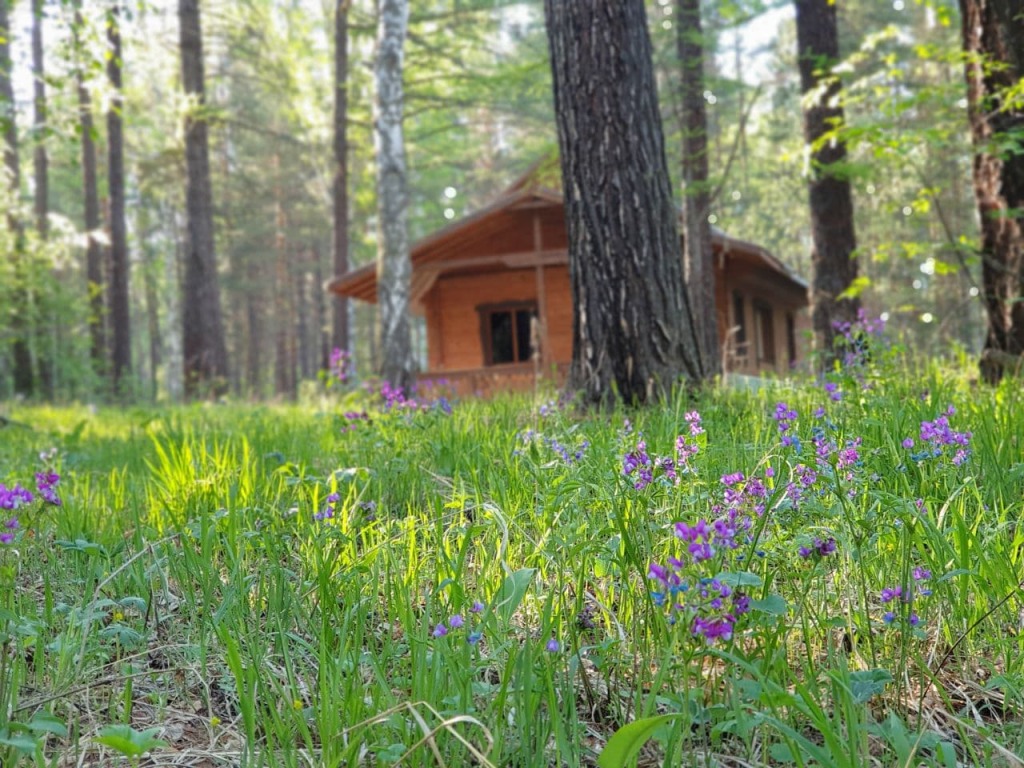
x: 531, y: 191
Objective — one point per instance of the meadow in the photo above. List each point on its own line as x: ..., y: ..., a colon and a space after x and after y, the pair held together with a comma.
x: 821, y: 572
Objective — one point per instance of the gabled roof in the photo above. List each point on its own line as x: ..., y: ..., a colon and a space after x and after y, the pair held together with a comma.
x: 531, y: 190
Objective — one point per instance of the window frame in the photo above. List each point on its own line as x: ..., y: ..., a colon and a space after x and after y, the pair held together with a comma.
x: 764, y: 331
x: 486, y: 311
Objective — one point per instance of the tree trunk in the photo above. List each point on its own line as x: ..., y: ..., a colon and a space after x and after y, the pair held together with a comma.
x: 833, y: 262
x: 698, y: 258
x: 206, y: 361
x: 340, y: 334
x: 21, y: 353
x: 42, y: 191
x: 991, y: 35
x: 47, y: 363
x: 174, y: 369
x: 120, y: 308
x: 91, y: 198
x: 633, y: 331
x: 394, y: 269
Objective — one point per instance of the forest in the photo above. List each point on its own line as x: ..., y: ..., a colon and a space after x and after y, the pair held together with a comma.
x: 479, y: 382
x: 96, y: 130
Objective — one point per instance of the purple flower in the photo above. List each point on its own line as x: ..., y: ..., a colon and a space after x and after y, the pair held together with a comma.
x: 440, y: 630
x: 733, y: 479
x: 477, y: 607
x: 456, y: 621
x: 908, y: 443
x: 891, y: 593
x: 15, y: 497
x: 553, y: 646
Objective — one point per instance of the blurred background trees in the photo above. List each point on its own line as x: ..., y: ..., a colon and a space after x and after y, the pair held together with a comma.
x: 478, y: 111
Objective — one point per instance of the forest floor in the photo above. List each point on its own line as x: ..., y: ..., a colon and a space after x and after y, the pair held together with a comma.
x: 824, y: 573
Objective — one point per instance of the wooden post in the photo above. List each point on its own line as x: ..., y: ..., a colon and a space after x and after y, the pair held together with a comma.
x: 542, y: 309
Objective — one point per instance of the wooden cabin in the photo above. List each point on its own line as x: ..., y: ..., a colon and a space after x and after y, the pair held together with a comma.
x: 494, y: 291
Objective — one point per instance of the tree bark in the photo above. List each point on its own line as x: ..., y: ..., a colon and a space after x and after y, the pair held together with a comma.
x: 698, y: 258
x: 205, y: 353
x: 394, y: 270
x: 40, y: 161
x: 993, y: 32
x: 340, y: 331
x: 633, y: 330
x: 833, y: 262
x: 120, y: 308
x: 21, y: 352
x: 91, y: 201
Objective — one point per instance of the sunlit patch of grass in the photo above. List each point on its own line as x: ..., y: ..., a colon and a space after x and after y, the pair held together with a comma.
x: 278, y: 586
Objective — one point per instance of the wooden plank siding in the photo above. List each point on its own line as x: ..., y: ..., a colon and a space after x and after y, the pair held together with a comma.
x: 514, y: 253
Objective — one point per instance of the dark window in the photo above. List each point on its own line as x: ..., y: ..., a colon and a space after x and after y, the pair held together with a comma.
x: 739, y: 320
x: 791, y: 338
x: 506, y: 333
x: 764, y: 327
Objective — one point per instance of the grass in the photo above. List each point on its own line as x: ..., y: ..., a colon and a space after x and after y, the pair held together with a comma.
x: 186, y: 585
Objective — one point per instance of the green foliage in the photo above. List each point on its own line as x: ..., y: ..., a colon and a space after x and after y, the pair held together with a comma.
x: 201, y: 579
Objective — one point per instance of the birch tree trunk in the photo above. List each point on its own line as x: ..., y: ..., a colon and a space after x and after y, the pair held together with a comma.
x: 994, y: 35
x: 394, y: 271
x: 833, y: 262
x: 340, y: 330
x: 633, y: 330
x: 698, y: 259
x: 205, y: 353
x: 120, y: 308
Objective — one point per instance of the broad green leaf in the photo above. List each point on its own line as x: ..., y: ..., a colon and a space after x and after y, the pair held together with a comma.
x: 128, y: 741
x: 624, y: 745
x: 773, y: 605
x: 866, y: 683
x: 512, y: 592
x: 740, y: 579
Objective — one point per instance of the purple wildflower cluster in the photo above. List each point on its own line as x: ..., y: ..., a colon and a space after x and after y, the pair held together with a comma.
x: 457, y: 621
x: 340, y: 365
x: 638, y: 466
x: 568, y: 455
x: 712, y: 608
x: 686, y: 444
x: 641, y: 468
x: 856, y: 338
x: 353, y: 419
x: 683, y: 586
x: 394, y: 399
x: 327, y: 513
x: 17, y: 497
x: 785, y: 417
x: 821, y: 548
x: 937, y: 436
x: 892, y: 596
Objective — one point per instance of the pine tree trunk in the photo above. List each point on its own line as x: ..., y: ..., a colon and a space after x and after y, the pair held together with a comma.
x: 40, y: 162
x: 91, y: 200
x: 394, y: 269
x: 340, y: 331
x: 21, y: 354
x: 633, y: 332
x: 206, y: 361
x: 174, y: 369
x: 992, y: 33
x: 833, y: 262
x: 698, y: 259
x: 120, y: 308
x: 46, y: 362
